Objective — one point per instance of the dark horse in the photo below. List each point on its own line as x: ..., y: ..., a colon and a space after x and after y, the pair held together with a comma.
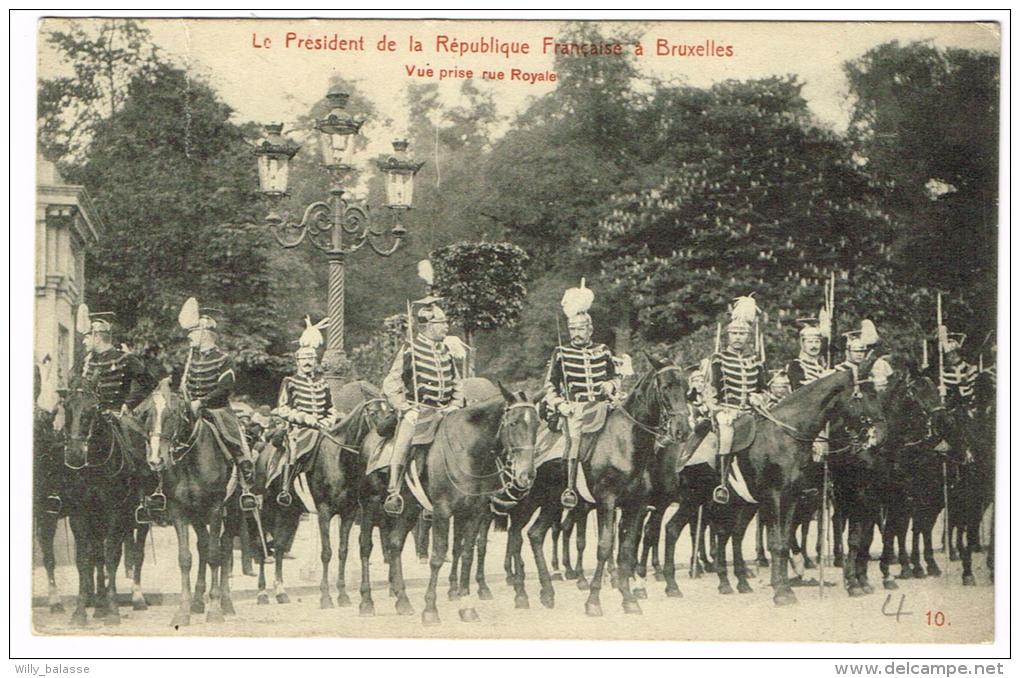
x: 775, y: 461
x: 334, y: 469
x: 50, y: 486
x: 106, y: 465
x: 618, y: 472
x: 194, y: 473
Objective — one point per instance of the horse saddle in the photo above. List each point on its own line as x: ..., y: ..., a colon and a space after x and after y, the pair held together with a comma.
x: 745, y: 428
x: 702, y: 446
x: 271, y: 459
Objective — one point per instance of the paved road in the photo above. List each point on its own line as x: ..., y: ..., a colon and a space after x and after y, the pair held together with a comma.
x: 702, y: 614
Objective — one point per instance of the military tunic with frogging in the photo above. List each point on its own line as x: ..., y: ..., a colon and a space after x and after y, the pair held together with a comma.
x: 802, y: 371
x: 119, y: 378
x: 578, y: 374
x: 959, y: 381
x: 308, y: 395
x: 735, y: 377
x: 210, y: 378
x: 423, y: 373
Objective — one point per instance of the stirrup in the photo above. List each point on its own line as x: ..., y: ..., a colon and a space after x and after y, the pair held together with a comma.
x: 248, y: 501
x: 568, y: 499
x: 142, y: 515
x: 154, y: 502
x: 284, y: 498
x: 394, y: 505
x: 721, y: 495
x: 54, y: 504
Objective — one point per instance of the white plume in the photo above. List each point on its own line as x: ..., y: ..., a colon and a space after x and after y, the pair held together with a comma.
x: 881, y: 371
x: 624, y: 365
x: 188, y: 317
x: 744, y: 308
x: 82, y: 323
x: 312, y: 336
x: 825, y: 322
x: 577, y: 300
x: 458, y: 349
x: 869, y: 335
x: 425, y: 271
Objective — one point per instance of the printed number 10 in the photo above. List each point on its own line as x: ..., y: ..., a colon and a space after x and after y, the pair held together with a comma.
x: 936, y: 618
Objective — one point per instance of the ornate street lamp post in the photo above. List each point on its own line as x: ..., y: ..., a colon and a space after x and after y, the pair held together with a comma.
x: 336, y: 226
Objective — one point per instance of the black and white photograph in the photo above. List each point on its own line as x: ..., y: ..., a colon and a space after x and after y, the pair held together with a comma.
x: 645, y: 330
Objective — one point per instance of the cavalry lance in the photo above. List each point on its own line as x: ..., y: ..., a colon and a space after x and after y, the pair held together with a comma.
x: 940, y: 337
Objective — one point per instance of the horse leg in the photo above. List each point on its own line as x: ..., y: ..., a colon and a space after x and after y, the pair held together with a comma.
x: 536, y: 536
x: 395, y: 539
x: 892, y: 530
x: 114, y: 535
x: 606, y: 511
x: 581, y: 539
x: 231, y: 528
x: 83, y: 561
x: 566, y: 529
x: 46, y: 530
x: 556, y: 528
x: 514, y: 546
x: 440, y: 539
x: 136, y: 543
x: 324, y: 517
x: 838, y: 526
x: 346, y: 521
x: 455, y: 557
x: 759, y: 543
x: 779, y: 543
x: 929, y: 553
x: 183, y: 615
x: 482, y: 544
x: 262, y: 597
x: 864, y: 553
x: 98, y: 543
x: 421, y: 538
x: 368, y: 515
x: 648, y: 543
x: 722, y: 528
x: 740, y: 571
x: 471, y: 521
x: 656, y: 540
x: 212, y: 547
x: 201, y: 541
x: 626, y: 556
x: 673, y: 528
x: 805, y: 525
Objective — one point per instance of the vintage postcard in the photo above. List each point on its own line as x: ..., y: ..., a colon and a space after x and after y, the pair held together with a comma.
x: 497, y: 329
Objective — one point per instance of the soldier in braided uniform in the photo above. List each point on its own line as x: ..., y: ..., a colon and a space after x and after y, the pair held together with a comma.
x: 119, y: 379
x: 423, y: 381
x: 579, y: 373
x: 807, y: 366
x: 207, y: 384
x: 958, y: 375
x: 738, y: 384
x: 305, y: 402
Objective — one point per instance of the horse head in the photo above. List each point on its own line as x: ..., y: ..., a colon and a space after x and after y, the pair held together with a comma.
x: 662, y: 395
x: 166, y: 421
x: 81, y: 416
x: 518, y: 431
x: 865, y: 407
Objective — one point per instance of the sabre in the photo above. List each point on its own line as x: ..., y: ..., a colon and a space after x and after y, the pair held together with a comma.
x: 410, y: 345
x: 262, y: 535
x: 697, y: 546
x: 942, y: 398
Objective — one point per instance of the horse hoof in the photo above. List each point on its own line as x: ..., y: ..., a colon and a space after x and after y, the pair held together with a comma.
x: 867, y: 588
x: 919, y: 572
x: 855, y: 591
x: 809, y: 564
x: 593, y: 609
x: 57, y: 607
x: 79, y: 619
x: 282, y: 598
x: 744, y: 587
x: 641, y: 594
x: 837, y: 561
x: 673, y: 591
x: 325, y: 603
x: 181, y: 619
x: 509, y: 580
x: 228, y: 607
x: 890, y: 584
x: 556, y: 576
x: 468, y: 614
x: 784, y: 598
x: 632, y: 607
x: 725, y: 589
x: 404, y: 607
x: 214, y: 617
x: 484, y: 593
x: 548, y: 599
x: 968, y: 580
x: 367, y: 608
x: 569, y: 574
x: 582, y: 584
x: 139, y: 605
x: 343, y: 600
x: 197, y: 606
x: 660, y: 576
x: 905, y: 573
x: 762, y: 562
x: 521, y: 603
x: 263, y: 598
x: 430, y: 617
x: 934, y: 570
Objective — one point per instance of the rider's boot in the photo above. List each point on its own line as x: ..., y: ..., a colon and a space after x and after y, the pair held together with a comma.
x: 394, y: 504
x: 284, y: 497
x: 721, y: 494
x: 569, y: 497
x: 246, y: 479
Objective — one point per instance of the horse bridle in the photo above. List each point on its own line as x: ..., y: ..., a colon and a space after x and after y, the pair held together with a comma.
x: 664, y: 434
x: 928, y: 414
x: 87, y: 439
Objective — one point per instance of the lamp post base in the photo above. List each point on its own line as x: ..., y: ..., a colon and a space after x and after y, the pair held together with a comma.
x: 336, y: 369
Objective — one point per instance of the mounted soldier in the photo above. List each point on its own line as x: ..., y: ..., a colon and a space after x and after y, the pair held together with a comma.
x: 207, y: 384
x: 423, y: 383
x: 958, y: 375
x: 305, y: 404
x: 738, y: 385
x: 580, y: 375
x: 808, y: 365
x: 779, y: 388
x: 858, y: 343
x: 119, y: 378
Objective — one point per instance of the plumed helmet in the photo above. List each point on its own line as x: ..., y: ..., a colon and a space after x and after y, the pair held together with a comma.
x: 429, y: 311
x: 575, y: 303
x: 311, y: 339
x: 743, y: 313
x: 192, y: 317
x: 862, y: 339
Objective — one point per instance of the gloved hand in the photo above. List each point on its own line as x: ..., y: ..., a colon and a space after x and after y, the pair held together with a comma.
x: 196, y: 406
x: 563, y: 408
x: 758, y: 399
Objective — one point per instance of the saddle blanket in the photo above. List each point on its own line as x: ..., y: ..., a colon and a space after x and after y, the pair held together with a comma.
x: 551, y: 445
x: 270, y: 460
x: 706, y: 454
x: 380, y: 450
